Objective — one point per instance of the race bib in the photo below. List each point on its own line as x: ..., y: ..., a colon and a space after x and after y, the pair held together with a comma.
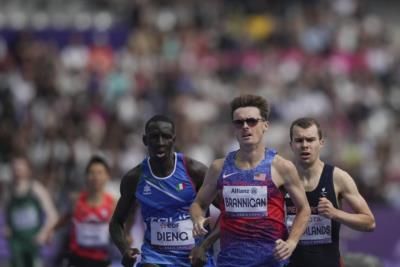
x: 246, y: 201
x: 172, y: 235
x: 92, y: 234
x: 318, y: 231
x: 25, y: 218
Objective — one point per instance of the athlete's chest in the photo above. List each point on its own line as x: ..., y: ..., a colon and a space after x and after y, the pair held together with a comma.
x: 310, y: 184
x: 86, y: 212
x: 175, y: 191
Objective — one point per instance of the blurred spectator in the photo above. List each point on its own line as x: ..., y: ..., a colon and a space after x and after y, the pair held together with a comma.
x: 89, y: 242
x: 30, y: 214
x: 361, y: 260
x: 67, y: 95
x: 79, y: 77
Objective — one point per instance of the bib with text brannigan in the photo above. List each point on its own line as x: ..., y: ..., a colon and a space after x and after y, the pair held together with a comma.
x: 245, y: 201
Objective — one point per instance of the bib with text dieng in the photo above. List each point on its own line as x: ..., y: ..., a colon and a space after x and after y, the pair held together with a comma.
x: 172, y: 235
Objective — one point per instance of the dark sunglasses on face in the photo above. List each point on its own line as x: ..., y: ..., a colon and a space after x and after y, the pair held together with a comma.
x: 251, y: 122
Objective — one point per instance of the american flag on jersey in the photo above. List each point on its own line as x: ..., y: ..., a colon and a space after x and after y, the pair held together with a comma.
x: 259, y: 177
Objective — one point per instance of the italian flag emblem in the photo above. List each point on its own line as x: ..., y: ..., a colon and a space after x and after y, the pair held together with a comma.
x: 180, y: 186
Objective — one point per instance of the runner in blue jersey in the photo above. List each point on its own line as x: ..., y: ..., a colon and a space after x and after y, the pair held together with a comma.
x: 164, y: 185
x: 251, y: 182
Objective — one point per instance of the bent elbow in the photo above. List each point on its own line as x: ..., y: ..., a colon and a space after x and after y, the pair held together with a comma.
x: 307, y: 210
x: 371, y: 227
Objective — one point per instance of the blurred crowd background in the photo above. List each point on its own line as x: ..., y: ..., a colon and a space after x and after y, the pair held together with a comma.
x: 81, y: 77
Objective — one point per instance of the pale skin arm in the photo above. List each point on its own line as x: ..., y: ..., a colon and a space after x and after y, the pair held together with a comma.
x: 285, y: 174
x: 361, y: 218
x: 207, y: 193
x: 51, y: 215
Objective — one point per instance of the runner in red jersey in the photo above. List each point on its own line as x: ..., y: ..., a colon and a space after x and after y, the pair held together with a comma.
x: 89, y: 236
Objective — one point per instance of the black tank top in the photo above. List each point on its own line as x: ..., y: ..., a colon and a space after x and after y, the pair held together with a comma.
x: 319, y: 245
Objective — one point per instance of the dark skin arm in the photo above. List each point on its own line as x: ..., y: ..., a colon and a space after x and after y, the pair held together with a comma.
x: 198, y: 254
x: 197, y: 172
x: 125, y: 207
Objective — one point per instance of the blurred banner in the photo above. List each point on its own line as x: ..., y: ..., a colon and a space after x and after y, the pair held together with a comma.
x: 383, y: 243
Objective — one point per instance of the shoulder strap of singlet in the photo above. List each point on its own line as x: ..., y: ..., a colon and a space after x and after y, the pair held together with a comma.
x: 327, y: 178
x: 269, y: 155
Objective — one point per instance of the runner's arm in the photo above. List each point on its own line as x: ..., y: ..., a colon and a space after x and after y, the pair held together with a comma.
x: 197, y: 171
x: 125, y: 206
x: 50, y: 212
x: 288, y: 177
x: 361, y: 218
x: 205, y: 196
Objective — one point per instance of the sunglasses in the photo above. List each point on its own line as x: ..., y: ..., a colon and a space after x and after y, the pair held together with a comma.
x: 251, y: 122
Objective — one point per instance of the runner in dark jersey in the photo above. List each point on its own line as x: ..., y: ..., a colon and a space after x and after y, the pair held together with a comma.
x: 326, y: 186
x: 30, y: 215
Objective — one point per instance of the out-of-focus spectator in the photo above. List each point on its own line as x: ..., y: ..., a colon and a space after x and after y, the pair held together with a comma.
x: 68, y: 94
x: 361, y: 260
x: 78, y: 77
x: 89, y: 242
x: 30, y: 214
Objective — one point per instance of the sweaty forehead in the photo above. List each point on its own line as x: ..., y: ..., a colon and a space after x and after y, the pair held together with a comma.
x: 246, y: 112
x: 159, y: 126
x: 311, y: 131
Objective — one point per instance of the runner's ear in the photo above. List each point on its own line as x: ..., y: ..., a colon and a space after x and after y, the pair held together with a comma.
x: 266, y: 125
x: 322, y: 141
x: 144, y: 140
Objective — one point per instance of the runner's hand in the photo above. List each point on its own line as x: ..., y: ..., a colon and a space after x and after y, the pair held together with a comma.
x: 199, y: 226
x: 198, y: 256
x: 283, y: 249
x: 326, y: 208
x: 129, y: 257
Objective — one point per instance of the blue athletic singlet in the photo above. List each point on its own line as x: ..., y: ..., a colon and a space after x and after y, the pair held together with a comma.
x: 252, y: 214
x: 165, y: 203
